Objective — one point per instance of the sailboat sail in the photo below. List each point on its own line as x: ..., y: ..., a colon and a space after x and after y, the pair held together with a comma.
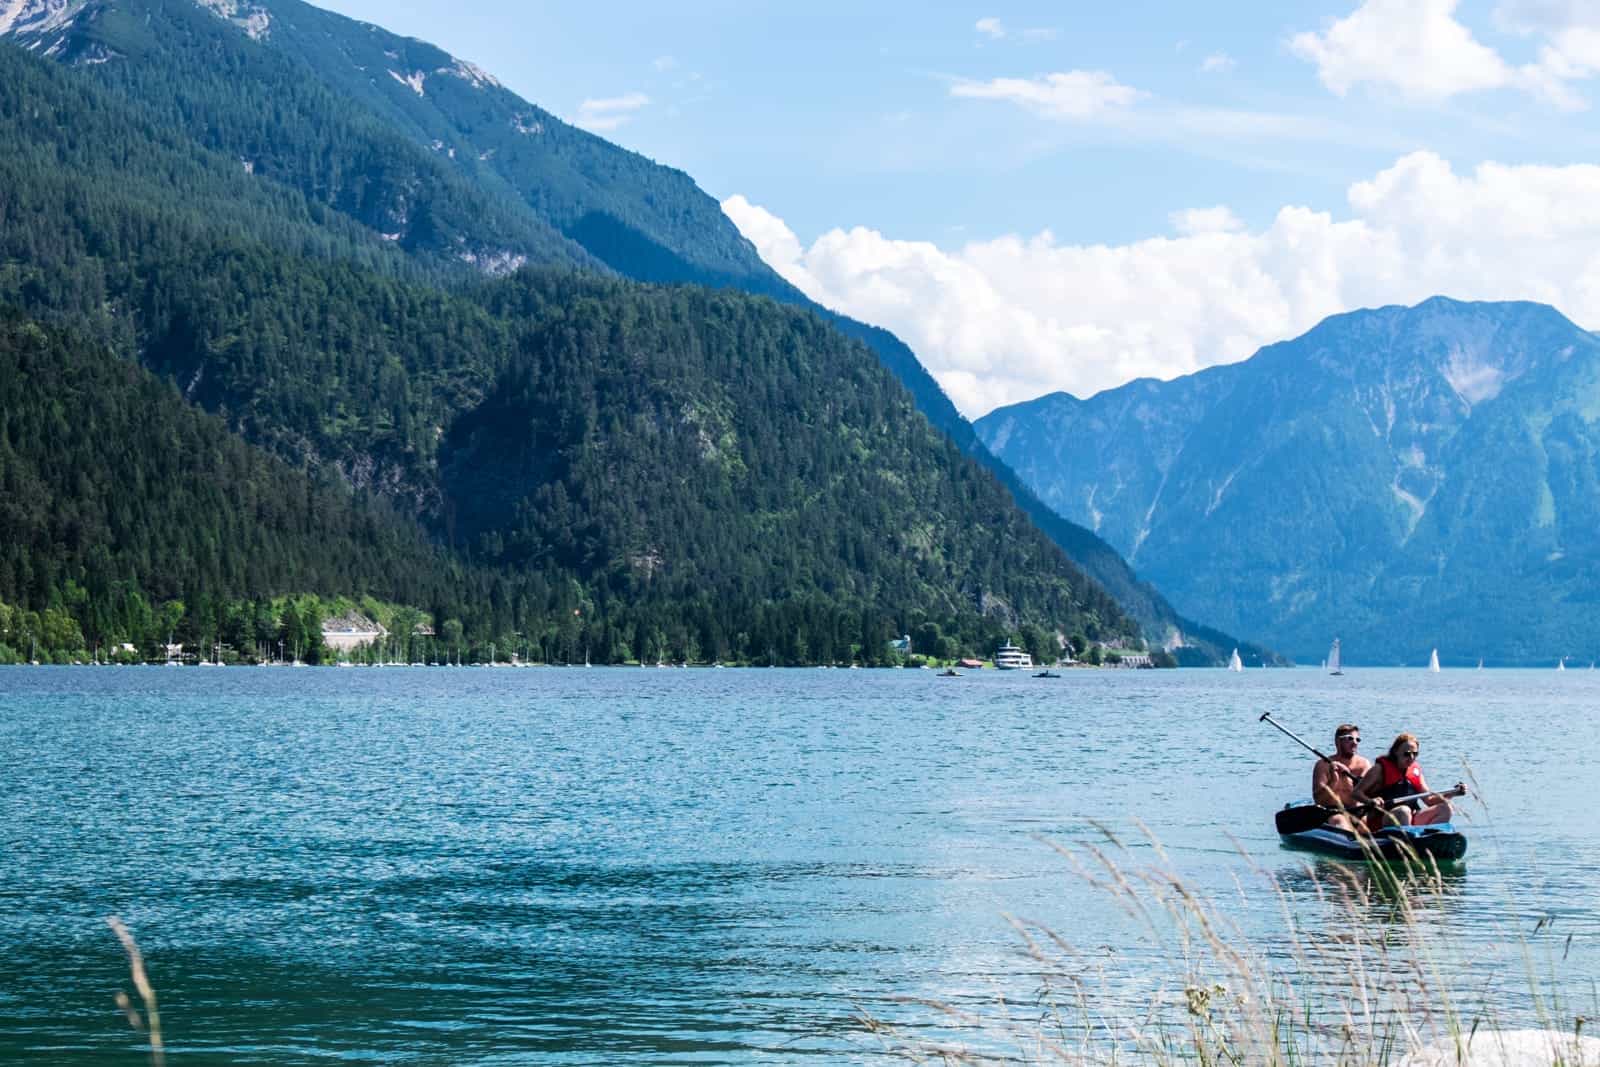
x: 1333, y: 658
x: 1433, y: 662
x: 1234, y: 663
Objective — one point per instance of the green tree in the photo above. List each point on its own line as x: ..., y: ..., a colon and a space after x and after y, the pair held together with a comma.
x: 453, y: 634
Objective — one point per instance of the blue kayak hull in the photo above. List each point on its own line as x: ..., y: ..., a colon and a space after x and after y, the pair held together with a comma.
x: 1442, y: 842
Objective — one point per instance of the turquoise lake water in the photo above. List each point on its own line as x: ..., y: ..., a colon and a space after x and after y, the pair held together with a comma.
x: 707, y: 866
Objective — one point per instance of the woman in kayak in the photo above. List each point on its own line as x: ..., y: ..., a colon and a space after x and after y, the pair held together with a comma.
x: 1398, y: 775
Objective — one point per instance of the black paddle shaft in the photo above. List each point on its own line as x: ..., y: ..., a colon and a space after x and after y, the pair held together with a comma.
x: 1266, y: 716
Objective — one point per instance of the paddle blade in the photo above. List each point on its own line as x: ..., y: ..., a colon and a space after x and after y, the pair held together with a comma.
x: 1301, y: 818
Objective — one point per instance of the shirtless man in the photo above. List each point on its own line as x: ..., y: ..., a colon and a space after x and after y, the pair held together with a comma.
x: 1333, y: 780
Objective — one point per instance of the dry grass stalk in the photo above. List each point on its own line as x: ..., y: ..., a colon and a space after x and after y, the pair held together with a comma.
x: 1375, y: 990
x: 150, y: 1021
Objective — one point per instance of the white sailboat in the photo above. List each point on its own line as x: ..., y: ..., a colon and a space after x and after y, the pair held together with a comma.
x: 1433, y: 662
x: 1480, y: 663
x: 1234, y: 663
x: 1561, y: 664
x: 1333, y: 658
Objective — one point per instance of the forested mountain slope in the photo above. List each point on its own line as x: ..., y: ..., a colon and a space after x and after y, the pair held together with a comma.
x: 116, y: 496
x: 786, y: 502
x: 434, y: 155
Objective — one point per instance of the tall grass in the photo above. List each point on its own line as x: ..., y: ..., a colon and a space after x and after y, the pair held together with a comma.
x: 148, y: 1020
x: 1362, y: 979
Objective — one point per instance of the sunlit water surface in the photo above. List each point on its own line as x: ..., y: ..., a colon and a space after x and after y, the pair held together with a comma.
x: 624, y: 865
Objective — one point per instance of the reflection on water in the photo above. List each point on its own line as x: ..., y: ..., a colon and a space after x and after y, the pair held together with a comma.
x: 609, y: 865
x: 1380, y: 888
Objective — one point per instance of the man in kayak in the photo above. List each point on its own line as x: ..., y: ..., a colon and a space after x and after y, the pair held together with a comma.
x: 1399, y: 775
x: 1333, y: 780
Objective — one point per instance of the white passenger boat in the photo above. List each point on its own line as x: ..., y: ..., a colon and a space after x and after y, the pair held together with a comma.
x: 1009, y: 657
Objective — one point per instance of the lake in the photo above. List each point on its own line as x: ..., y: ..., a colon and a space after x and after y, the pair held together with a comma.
x: 725, y: 866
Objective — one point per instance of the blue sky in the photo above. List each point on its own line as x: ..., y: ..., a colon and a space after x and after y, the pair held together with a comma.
x: 1065, y: 196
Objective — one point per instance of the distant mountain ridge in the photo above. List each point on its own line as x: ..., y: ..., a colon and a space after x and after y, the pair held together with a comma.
x: 456, y: 170
x: 1401, y: 477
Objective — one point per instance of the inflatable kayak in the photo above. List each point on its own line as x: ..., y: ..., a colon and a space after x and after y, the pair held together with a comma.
x: 1440, y: 841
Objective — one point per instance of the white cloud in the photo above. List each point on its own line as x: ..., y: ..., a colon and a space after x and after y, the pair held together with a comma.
x: 1421, y: 49
x: 772, y: 237
x: 1572, y: 44
x: 1198, y: 220
x: 662, y: 64
x: 1009, y: 319
x: 1096, y: 96
x: 1217, y: 63
x: 996, y: 30
x: 1073, y: 94
x: 1416, y: 46
x: 1572, y: 53
x: 1547, y: 16
x: 608, y: 113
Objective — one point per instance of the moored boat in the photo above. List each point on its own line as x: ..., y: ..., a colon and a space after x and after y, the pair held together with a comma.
x: 1009, y: 657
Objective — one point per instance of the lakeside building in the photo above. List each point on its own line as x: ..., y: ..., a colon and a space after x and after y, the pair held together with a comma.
x: 347, y: 638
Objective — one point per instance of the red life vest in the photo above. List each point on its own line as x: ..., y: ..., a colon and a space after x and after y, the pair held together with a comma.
x: 1397, y: 784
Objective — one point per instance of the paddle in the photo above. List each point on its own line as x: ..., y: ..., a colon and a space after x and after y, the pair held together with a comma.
x: 1300, y: 819
x: 1266, y: 716
x: 1294, y: 820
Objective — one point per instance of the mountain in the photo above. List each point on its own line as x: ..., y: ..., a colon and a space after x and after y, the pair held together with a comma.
x: 557, y: 459
x: 437, y: 157
x: 1402, y: 478
x: 116, y: 496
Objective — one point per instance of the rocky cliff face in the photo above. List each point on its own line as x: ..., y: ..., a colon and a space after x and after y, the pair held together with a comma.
x: 1404, y: 477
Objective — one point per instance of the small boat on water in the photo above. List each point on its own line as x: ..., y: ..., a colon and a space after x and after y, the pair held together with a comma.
x: 1047, y: 674
x: 949, y: 672
x: 1234, y: 662
x: 1433, y: 662
x: 1333, y: 658
x: 1440, y: 842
